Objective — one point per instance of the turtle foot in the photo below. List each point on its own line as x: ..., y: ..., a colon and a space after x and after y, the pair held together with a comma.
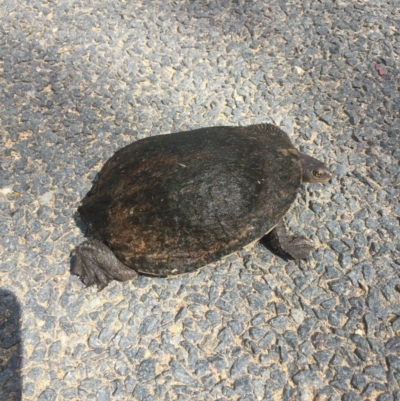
x: 286, y: 245
x: 96, y: 265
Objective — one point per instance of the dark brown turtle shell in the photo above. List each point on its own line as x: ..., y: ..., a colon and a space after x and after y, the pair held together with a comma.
x: 172, y: 203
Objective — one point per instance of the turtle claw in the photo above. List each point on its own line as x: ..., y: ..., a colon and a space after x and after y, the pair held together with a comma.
x: 286, y: 245
x: 96, y: 264
x: 85, y: 265
x: 298, y: 247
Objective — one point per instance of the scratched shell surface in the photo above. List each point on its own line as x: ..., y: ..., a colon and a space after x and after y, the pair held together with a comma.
x: 172, y: 203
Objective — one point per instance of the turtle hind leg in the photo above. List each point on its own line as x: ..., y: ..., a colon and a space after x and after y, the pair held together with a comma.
x: 284, y: 244
x: 96, y: 264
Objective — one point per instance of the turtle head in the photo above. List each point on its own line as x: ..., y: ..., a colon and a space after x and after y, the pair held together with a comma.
x: 313, y: 170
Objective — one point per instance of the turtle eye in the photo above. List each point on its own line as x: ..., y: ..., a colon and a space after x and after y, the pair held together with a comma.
x: 317, y: 173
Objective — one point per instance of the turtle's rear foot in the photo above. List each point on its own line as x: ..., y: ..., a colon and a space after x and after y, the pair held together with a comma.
x: 95, y: 264
x: 284, y: 244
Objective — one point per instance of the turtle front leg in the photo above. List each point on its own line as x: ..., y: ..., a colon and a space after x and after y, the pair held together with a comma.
x: 281, y: 242
x: 96, y: 264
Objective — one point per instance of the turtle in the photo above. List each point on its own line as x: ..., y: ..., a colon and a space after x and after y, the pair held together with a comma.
x: 170, y: 204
